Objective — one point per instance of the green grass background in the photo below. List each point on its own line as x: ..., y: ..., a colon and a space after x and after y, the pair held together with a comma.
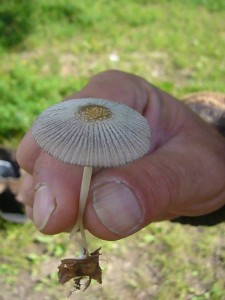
x: 49, y: 49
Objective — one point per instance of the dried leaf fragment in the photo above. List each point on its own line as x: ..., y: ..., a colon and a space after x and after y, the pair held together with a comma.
x: 80, y: 268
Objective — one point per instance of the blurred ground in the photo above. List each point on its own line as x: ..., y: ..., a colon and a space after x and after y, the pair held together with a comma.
x: 163, y: 261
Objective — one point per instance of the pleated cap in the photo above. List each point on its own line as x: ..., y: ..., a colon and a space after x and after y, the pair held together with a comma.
x: 92, y: 132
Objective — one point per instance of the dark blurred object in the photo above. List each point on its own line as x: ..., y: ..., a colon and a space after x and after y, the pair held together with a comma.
x: 10, y: 209
x: 8, y: 158
x: 210, y: 107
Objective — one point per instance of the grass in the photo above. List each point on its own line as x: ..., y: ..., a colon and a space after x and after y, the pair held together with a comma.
x: 163, y: 261
x: 178, y: 46
x: 49, y: 49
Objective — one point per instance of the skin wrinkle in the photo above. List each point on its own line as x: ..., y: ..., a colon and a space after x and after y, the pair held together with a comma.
x: 198, y: 178
x: 161, y: 198
x: 29, y: 212
x: 213, y: 168
x: 178, y: 172
x: 191, y: 210
x: 160, y: 188
x: 151, y: 112
x: 208, y: 207
x: 26, y: 191
x: 142, y: 94
x: 157, y: 110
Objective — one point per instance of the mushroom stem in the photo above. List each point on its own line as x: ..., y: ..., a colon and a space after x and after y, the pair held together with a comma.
x: 85, y: 185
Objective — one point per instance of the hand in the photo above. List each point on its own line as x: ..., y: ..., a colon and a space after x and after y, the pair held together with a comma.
x: 183, y: 174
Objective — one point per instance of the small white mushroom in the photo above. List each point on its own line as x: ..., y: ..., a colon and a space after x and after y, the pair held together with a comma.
x: 92, y: 133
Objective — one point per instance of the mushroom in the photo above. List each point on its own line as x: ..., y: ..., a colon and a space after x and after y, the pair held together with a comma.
x: 91, y: 133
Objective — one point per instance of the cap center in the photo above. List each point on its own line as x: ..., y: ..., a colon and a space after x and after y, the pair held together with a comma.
x: 94, y: 112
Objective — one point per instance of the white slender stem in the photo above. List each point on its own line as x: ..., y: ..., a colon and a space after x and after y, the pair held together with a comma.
x: 85, y: 185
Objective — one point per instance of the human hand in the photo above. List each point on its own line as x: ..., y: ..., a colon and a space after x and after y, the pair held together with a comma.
x: 183, y: 174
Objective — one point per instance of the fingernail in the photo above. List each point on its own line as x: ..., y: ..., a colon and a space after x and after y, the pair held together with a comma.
x: 117, y: 208
x: 44, y: 206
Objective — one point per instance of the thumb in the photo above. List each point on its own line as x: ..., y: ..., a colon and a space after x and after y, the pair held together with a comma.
x: 124, y: 200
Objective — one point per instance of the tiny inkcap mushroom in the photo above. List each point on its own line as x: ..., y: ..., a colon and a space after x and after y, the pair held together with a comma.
x: 92, y: 133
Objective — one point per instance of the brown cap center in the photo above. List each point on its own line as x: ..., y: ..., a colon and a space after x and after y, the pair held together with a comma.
x: 93, y: 113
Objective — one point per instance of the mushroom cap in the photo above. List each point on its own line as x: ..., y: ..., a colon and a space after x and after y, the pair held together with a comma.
x: 92, y: 132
